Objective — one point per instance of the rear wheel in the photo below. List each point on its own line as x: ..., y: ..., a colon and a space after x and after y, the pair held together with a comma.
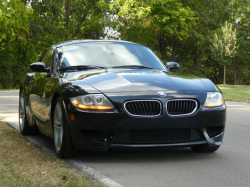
x: 24, y: 127
x: 62, y: 139
x: 205, y: 148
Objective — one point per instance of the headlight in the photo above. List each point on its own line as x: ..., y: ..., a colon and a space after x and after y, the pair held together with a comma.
x: 92, y: 102
x: 214, y: 99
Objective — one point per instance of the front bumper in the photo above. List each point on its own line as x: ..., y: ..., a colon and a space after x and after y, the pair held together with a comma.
x: 93, y: 145
x: 99, y: 131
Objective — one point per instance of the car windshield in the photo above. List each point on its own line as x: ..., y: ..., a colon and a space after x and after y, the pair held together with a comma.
x: 108, y: 55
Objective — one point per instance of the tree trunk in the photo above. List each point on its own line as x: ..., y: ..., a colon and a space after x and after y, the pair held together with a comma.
x: 224, y: 81
x: 173, y: 50
x: 66, y: 19
x: 162, y: 49
x: 235, y: 75
x: 79, y: 24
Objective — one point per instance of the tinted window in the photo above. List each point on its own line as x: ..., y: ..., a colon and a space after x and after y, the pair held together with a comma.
x: 107, y: 54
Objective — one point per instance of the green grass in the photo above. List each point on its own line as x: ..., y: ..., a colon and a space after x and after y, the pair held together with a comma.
x: 240, y: 93
x: 22, y: 164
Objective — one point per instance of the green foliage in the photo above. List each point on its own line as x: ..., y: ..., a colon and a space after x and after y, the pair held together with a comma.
x: 14, y: 30
x: 188, y: 32
x: 154, y: 23
x: 27, y: 28
x: 195, y: 49
x: 224, y: 45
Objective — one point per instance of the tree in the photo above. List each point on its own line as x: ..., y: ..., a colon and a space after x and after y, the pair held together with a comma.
x: 224, y: 46
x: 159, y: 24
x: 194, y: 51
x: 27, y: 28
x: 177, y: 30
x: 14, y: 29
x: 239, y: 72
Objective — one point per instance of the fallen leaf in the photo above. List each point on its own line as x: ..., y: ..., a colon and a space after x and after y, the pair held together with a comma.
x: 64, y: 178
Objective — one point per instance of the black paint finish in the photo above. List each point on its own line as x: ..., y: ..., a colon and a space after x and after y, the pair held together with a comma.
x: 99, y: 130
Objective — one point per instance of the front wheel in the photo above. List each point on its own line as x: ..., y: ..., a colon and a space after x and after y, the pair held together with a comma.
x: 205, y: 148
x: 62, y: 139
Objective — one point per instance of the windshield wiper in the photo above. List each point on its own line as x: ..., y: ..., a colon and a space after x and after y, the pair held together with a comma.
x: 82, y: 67
x: 133, y: 67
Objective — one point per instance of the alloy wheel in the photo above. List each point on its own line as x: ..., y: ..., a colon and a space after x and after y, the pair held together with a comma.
x: 21, y: 111
x: 58, y: 127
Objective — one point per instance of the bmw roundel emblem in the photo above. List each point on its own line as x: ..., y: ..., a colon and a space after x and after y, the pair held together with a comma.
x: 162, y: 94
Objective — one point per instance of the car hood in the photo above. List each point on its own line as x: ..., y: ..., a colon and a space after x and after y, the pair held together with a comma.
x: 136, y: 80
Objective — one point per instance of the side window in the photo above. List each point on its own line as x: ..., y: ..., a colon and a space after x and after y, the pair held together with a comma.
x: 54, y: 68
x: 47, y: 57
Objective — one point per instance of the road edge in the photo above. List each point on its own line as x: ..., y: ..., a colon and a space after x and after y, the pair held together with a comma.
x: 90, y: 173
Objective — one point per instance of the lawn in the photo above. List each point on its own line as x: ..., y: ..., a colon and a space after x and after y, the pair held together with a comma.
x: 22, y: 164
x: 240, y: 93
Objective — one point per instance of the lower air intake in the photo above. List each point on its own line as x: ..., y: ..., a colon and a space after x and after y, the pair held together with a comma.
x: 157, y: 136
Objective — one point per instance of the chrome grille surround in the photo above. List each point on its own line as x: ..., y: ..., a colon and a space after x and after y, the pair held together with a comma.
x: 182, y: 107
x: 145, y: 108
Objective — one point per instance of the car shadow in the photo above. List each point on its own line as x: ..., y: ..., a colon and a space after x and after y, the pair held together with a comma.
x: 146, y: 155
x: 128, y: 155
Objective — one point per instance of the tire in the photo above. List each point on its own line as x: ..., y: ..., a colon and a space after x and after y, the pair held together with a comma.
x: 205, y: 148
x: 24, y: 127
x: 62, y: 138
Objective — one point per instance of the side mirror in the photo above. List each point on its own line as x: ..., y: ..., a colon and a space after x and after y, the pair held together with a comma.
x: 173, y: 66
x: 39, y: 67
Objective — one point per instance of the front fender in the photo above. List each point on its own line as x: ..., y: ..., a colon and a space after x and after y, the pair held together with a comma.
x: 211, y: 87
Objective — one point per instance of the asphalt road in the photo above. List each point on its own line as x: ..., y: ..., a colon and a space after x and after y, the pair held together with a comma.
x: 229, y: 166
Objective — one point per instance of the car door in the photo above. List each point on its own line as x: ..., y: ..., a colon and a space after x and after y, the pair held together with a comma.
x: 38, y: 93
x: 51, y: 84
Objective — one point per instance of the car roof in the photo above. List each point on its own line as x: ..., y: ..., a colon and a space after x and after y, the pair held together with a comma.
x: 88, y: 41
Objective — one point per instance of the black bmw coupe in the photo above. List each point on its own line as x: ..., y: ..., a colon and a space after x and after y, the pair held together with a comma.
x: 93, y: 95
